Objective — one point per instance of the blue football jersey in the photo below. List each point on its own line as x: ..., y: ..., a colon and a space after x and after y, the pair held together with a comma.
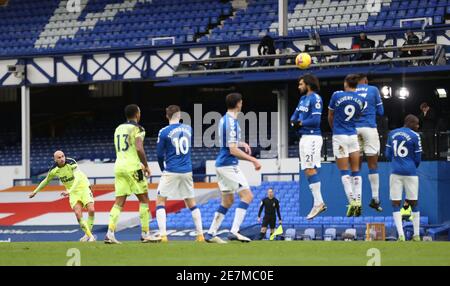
x: 229, y: 132
x: 404, y: 150
x: 373, y: 108
x: 174, y: 148
x: 309, y: 112
x: 347, y: 106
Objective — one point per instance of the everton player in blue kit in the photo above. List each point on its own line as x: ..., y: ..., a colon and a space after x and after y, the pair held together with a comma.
x: 344, y: 107
x: 306, y: 119
x: 229, y: 176
x: 404, y: 150
x: 174, y: 149
x: 369, y: 141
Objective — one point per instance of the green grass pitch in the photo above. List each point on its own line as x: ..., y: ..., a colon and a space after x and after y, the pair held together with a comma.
x: 258, y: 253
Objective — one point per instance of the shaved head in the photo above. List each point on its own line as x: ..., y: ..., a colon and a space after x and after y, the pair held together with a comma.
x: 412, y: 122
x: 59, y: 158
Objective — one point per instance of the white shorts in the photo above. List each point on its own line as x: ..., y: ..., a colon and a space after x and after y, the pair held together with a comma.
x: 231, y: 179
x: 176, y: 185
x: 409, y: 183
x: 369, y: 141
x: 310, y: 147
x: 343, y: 145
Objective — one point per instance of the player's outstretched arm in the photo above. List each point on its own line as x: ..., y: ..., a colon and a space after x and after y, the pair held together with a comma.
x: 238, y: 153
x: 142, y: 157
x: 42, y: 185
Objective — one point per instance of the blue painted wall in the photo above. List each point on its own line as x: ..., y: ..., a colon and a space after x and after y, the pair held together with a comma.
x: 434, y: 191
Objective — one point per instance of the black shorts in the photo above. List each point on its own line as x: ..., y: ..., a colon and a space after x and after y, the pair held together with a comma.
x: 269, y: 221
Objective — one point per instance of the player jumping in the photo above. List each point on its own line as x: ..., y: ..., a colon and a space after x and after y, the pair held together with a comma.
x: 404, y: 150
x: 229, y: 175
x: 344, y: 107
x: 306, y: 118
x: 174, y: 149
x: 131, y: 171
x: 369, y: 141
x: 77, y: 189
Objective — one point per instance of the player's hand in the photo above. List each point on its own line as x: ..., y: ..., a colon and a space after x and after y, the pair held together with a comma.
x: 257, y: 165
x: 65, y: 194
x: 259, y: 219
x: 31, y: 195
x: 147, y: 171
x: 247, y: 148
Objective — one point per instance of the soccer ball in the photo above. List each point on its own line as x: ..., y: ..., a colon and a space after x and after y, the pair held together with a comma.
x: 303, y: 61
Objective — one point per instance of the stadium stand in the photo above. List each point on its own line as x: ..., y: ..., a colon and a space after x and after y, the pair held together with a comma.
x: 29, y: 27
x: 326, y: 16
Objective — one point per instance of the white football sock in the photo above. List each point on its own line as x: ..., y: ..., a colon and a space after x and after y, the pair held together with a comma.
x: 317, y: 195
x: 375, y: 185
x: 398, y: 223
x: 347, y: 183
x: 357, y: 188
x: 217, y: 221
x: 238, y: 219
x: 197, y: 218
x: 161, y: 219
x: 416, y: 222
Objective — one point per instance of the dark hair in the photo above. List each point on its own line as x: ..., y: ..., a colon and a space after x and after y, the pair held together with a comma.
x: 311, y: 80
x: 131, y: 110
x: 233, y: 99
x: 411, y: 119
x: 352, y: 80
x: 171, y: 110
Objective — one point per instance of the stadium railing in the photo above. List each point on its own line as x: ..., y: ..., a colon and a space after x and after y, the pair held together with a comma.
x: 436, y: 56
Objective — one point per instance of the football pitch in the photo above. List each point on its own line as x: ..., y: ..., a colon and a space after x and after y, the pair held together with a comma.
x: 258, y: 253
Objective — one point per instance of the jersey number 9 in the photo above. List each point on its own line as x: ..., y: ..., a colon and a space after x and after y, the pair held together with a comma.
x: 349, y: 110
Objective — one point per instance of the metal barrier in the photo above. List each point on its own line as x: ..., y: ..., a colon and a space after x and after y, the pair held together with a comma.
x: 287, y: 61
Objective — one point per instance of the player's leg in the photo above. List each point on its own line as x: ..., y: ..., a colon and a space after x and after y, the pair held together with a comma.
x: 122, y: 188
x: 225, y: 186
x: 114, y: 215
x: 196, y: 217
x: 161, y: 216
x: 356, y: 180
x: 186, y: 191
x: 340, y: 152
x: 354, y: 159
x: 246, y: 197
x: 310, y: 157
x: 219, y: 215
x: 78, y: 210
x: 395, y: 193
x: 87, y: 200
x: 144, y: 215
x: 372, y: 149
x: 412, y: 194
x: 139, y: 187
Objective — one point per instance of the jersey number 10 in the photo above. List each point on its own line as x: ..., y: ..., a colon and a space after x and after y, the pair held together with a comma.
x: 181, y: 145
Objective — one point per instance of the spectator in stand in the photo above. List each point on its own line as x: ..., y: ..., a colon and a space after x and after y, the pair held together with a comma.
x: 427, y: 123
x: 362, y: 42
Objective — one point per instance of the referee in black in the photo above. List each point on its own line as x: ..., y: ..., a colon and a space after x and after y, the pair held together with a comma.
x: 270, y: 204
